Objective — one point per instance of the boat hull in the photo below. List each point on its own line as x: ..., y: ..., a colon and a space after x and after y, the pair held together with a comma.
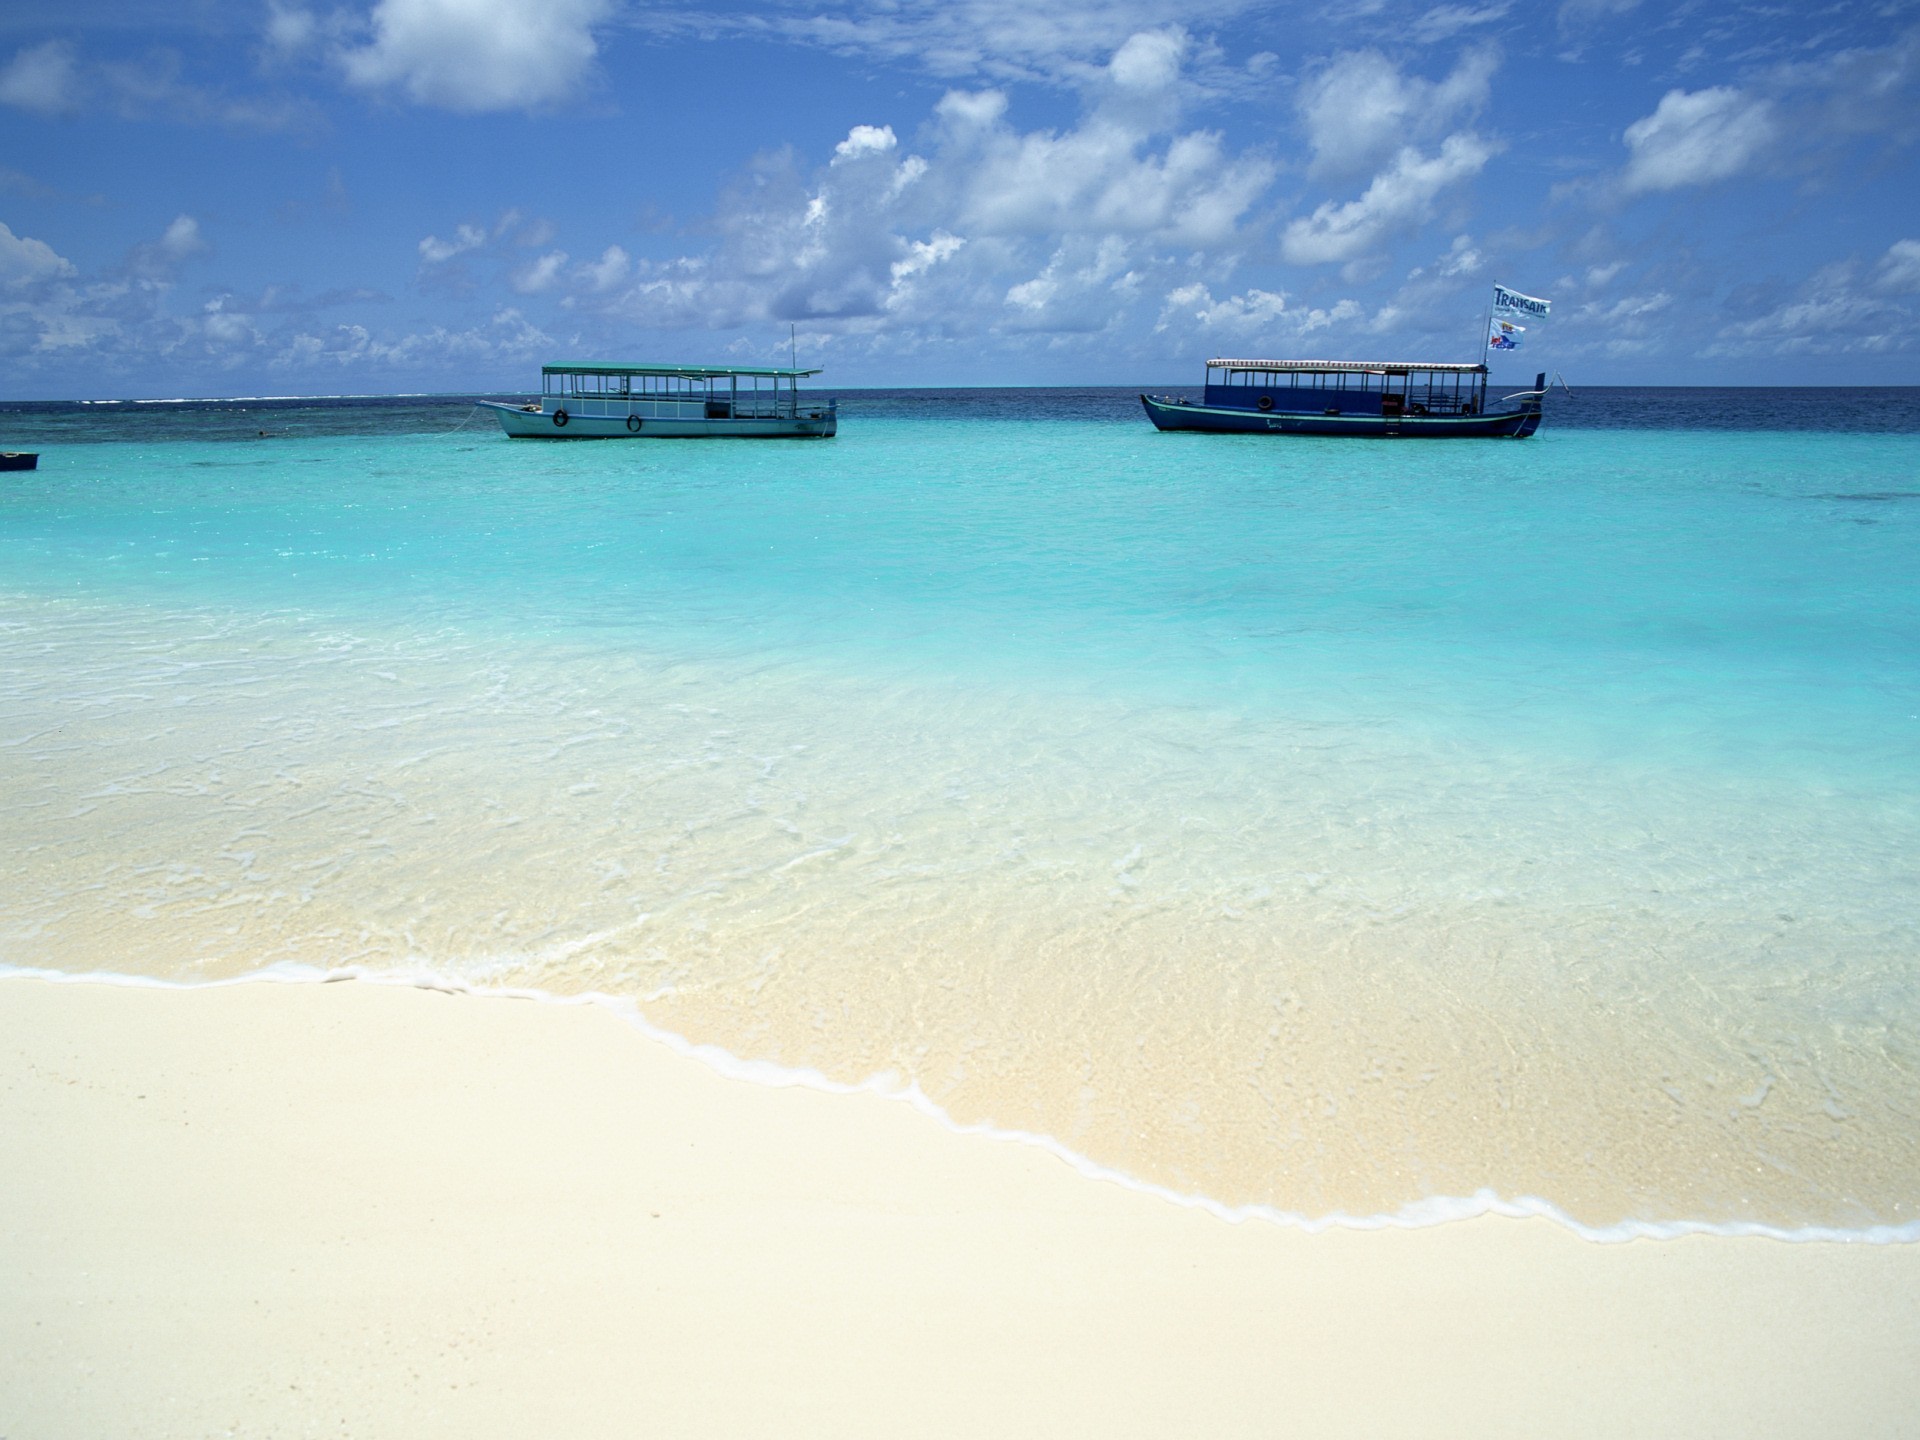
x: 539, y: 425
x: 1184, y: 415
x: 19, y: 460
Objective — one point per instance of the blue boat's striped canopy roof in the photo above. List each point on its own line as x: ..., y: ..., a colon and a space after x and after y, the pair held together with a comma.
x: 686, y: 372
x: 1375, y: 367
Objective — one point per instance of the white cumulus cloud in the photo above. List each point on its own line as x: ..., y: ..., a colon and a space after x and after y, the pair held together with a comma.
x: 865, y: 140
x: 971, y: 109
x: 1695, y: 137
x: 1361, y: 109
x: 182, y: 238
x: 1084, y: 288
x: 224, y: 326
x: 159, y: 260
x: 1400, y: 196
x: 478, y: 55
x: 541, y: 274
x: 1443, y: 21
x: 989, y: 229
x: 923, y: 255
x: 1111, y: 174
x: 1833, y: 314
x: 1149, y: 60
x: 24, y: 260
x: 507, y: 337
x: 609, y: 270
x: 1097, y: 179
x: 1900, y: 267
x: 999, y: 40
x: 436, y: 251
x: 290, y: 29
x: 41, y: 79
x: 1267, y: 311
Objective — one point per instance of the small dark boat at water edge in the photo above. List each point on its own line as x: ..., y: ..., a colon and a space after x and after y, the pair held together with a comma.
x: 19, y: 460
x: 1349, y: 397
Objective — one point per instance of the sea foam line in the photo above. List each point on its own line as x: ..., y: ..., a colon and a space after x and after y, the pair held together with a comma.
x: 1419, y: 1215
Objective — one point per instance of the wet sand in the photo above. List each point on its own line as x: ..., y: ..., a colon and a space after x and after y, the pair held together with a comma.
x: 366, y: 1210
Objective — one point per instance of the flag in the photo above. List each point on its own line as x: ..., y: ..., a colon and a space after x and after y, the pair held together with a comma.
x: 1512, y: 302
x: 1505, y: 335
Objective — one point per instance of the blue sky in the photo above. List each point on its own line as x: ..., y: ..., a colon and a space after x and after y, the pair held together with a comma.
x: 232, y: 197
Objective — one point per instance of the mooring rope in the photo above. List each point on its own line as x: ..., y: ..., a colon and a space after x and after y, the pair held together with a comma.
x: 464, y: 423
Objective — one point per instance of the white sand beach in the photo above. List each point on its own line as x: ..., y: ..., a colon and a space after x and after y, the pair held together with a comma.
x: 365, y: 1210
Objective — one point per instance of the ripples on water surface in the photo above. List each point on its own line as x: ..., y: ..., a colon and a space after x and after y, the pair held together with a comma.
x: 1321, y: 824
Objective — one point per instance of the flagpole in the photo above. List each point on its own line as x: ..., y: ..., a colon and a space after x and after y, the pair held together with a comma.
x: 1486, y: 332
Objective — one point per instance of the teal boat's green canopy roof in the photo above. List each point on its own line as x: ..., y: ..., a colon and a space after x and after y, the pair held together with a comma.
x: 689, y: 372
x: 1374, y: 367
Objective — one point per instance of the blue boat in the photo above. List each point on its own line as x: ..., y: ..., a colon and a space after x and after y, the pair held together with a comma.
x: 1350, y: 397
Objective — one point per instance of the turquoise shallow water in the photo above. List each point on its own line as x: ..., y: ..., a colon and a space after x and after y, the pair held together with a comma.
x: 1320, y: 824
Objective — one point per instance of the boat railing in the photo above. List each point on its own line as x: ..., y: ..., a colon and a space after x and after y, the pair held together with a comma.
x: 678, y: 407
x: 1441, y: 404
x: 595, y: 394
x: 1393, y: 392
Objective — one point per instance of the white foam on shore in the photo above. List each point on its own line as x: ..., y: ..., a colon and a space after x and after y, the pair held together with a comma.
x: 1434, y: 1210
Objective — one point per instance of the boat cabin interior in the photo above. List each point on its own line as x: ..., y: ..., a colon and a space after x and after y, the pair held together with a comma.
x: 1347, y: 387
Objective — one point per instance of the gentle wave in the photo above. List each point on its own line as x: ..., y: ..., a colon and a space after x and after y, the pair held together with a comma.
x: 1419, y: 1215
